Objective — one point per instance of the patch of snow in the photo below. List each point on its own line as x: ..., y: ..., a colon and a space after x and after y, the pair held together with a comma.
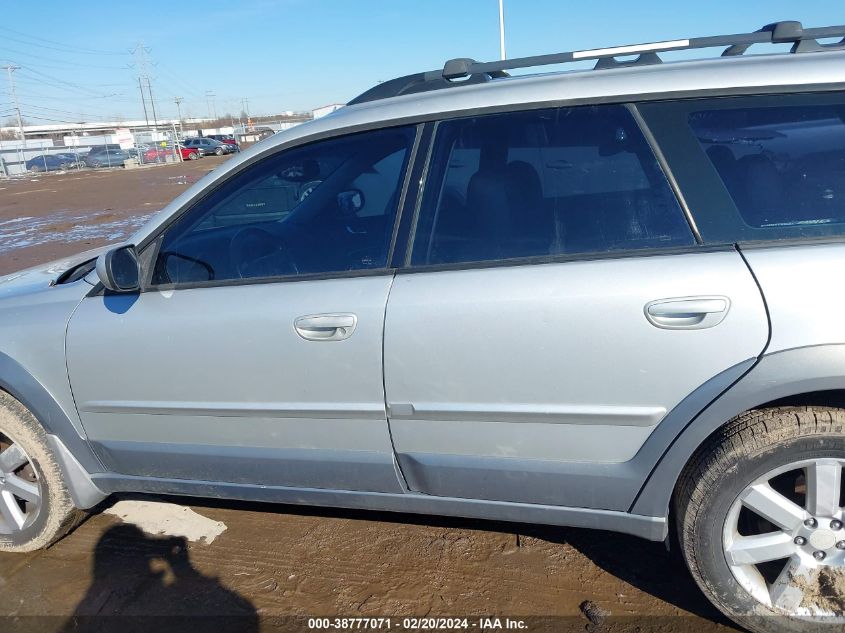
x: 169, y: 519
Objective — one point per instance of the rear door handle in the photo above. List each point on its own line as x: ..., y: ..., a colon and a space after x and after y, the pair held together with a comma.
x: 326, y: 327
x: 687, y: 313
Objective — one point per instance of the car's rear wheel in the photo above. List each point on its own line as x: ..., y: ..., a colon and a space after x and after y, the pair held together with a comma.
x: 35, y: 169
x: 760, y: 518
x: 35, y: 506
x: 193, y: 156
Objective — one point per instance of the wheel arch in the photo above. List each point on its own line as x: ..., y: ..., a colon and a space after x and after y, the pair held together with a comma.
x: 801, y: 376
x: 74, y: 455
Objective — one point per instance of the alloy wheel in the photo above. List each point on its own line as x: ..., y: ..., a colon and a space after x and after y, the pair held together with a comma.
x: 784, y: 538
x: 20, y: 489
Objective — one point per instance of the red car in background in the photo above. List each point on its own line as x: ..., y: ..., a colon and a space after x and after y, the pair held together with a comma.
x: 188, y: 153
x: 160, y: 154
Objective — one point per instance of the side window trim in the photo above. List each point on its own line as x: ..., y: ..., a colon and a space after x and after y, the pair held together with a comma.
x: 400, y: 246
x: 153, y: 243
x: 425, y: 174
x: 666, y: 168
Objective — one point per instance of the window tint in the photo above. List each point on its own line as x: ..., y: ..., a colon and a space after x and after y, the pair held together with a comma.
x: 322, y: 208
x: 547, y: 182
x: 783, y: 166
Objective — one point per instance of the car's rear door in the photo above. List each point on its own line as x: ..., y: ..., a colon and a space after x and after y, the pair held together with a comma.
x: 556, y: 307
x: 254, y: 354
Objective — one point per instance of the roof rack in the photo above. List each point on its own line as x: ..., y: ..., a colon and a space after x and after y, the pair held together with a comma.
x: 463, y: 71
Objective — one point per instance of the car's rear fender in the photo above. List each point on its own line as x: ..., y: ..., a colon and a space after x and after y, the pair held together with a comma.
x: 784, y: 374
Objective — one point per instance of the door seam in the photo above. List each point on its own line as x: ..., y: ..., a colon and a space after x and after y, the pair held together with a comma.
x: 403, y: 482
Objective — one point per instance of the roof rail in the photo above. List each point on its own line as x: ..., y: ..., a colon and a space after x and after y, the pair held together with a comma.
x: 462, y: 71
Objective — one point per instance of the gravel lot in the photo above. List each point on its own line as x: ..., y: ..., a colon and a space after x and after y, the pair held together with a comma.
x: 272, y: 562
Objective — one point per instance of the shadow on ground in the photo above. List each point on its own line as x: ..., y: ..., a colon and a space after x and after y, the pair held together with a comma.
x: 143, y: 583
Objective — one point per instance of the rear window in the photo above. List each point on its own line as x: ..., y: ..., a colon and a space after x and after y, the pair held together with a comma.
x: 783, y: 166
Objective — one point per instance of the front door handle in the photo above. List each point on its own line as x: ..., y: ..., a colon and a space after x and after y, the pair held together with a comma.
x: 326, y: 327
x: 687, y: 313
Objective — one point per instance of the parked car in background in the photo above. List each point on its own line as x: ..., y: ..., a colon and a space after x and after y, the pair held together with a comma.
x: 102, y: 148
x: 188, y: 153
x: 601, y: 298
x: 51, y: 162
x: 156, y: 154
x: 228, y: 139
x: 209, y: 146
x: 106, y: 156
x: 74, y: 159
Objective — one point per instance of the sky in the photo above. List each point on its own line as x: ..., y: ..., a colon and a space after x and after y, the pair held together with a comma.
x: 76, y: 62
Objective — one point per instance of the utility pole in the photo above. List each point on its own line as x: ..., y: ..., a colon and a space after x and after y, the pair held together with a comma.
x: 143, y: 101
x: 152, y: 105
x: 142, y: 64
x: 178, y: 101
x: 10, y: 69
x: 212, y: 107
x: 245, y: 106
x: 176, y: 141
x: 502, y: 28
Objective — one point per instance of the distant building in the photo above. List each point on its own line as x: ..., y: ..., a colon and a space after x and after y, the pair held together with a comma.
x: 326, y: 109
x: 253, y: 136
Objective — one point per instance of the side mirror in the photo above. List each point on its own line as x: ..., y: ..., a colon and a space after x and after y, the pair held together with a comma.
x: 350, y: 202
x: 119, y: 270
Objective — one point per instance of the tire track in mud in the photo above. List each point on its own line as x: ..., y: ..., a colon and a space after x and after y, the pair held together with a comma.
x: 367, y: 564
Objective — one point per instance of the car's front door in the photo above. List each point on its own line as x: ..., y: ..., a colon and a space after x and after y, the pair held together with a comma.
x: 557, y: 308
x: 254, y: 353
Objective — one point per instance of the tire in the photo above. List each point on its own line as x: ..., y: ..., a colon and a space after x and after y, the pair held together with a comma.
x: 193, y: 156
x: 746, y: 481
x: 219, y: 151
x: 35, y: 169
x: 54, y: 514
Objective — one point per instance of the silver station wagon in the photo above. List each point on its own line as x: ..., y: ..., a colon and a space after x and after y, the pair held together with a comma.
x: 606, y: 298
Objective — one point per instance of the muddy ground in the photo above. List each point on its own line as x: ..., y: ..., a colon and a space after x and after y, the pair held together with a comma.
x: 275, y: 562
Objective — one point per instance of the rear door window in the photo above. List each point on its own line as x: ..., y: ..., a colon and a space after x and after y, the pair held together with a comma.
x: 544, y: 182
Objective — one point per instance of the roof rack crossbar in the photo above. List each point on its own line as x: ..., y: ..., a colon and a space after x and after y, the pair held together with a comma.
x: 461, y: 71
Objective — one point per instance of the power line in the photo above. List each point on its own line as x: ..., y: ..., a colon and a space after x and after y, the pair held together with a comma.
x: 80, y: 113
x: 72, y: 90
x: 80, y: 49
x: 62, y: 81
x: 183, y: 85
x: 53, y: 60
